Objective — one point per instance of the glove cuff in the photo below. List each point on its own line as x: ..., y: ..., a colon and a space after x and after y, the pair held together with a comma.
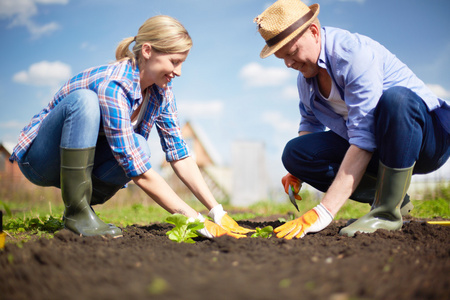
x: 217, y: 213
x: 200, y: 217
x: 324, y: 213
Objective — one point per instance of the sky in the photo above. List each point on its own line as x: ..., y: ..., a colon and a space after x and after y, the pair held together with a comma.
x: 226, y: 89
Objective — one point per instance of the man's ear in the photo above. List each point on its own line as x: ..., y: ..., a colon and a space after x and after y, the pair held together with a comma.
x: 315, y: 31
x: 146, y: 50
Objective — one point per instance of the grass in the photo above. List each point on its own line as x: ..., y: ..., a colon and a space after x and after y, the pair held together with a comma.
x: 24, y: 219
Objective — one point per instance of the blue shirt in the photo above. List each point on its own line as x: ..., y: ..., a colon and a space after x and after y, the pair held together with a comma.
x: 119, y: 92
x: 362, y: 70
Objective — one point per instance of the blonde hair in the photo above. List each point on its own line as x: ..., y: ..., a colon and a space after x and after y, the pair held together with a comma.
x: 165, y: 34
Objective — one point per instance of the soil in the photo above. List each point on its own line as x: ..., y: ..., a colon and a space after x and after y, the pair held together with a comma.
x: 413, y: 263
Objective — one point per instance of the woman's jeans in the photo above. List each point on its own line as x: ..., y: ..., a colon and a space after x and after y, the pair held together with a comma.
x: 405, y: 133
x: 74, y: 123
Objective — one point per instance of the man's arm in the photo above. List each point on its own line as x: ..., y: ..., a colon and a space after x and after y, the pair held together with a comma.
x: 347, y: 179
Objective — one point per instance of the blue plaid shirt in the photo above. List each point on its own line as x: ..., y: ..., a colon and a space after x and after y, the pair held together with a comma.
x: 118, y: 88
x: 362, y: 70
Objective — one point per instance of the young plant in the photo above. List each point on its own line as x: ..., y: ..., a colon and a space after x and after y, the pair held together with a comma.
x: 184, y: 229
x: 265, y: 232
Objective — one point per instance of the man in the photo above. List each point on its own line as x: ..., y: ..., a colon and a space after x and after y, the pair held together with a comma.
x: 384, y: 123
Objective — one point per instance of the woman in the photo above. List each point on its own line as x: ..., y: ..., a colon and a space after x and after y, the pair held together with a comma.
x: 92, y: 138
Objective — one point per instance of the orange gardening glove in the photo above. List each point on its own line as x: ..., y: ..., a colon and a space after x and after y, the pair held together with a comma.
x: 216, y: 231
x: 221, y: 218
x: 313, y: 220
x: 290, y: 180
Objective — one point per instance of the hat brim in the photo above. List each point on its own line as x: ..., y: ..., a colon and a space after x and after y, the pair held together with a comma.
x: 267, y: 51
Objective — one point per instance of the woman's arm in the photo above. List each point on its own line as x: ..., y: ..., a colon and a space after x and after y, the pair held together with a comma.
x: 158, y: 189
x: 188, y: 171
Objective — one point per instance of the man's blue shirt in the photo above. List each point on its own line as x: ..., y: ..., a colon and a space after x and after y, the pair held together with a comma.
x: 362, y: 70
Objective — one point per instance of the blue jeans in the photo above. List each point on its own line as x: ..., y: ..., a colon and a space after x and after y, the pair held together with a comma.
x: 405, y: 133
x: 74, y: 123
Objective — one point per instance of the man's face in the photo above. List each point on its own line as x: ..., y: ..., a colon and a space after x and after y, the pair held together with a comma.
x: 302, y: 52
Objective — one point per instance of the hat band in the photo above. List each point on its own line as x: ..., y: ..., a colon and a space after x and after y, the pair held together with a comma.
x: 285, y: 33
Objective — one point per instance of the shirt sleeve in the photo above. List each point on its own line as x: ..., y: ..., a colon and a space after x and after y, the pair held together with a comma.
x: 115, y: 109
x: 169, y: 130
x: 360, y: 68
x: 308, y: 121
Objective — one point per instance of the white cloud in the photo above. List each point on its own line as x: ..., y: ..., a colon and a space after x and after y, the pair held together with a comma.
x: 21, y: 12
x: 201, y: 109
x: 279, y: 122
x: 290, y: 92
x: 439, y: 90
x: 11, y: 124
x: 255, y: 75
x: 44, y: 73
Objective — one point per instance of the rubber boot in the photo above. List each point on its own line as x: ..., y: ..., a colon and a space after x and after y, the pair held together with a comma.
x: 102, y: 191
x: 76, y: 189
x: 365, y: 193
x: 385, y: 213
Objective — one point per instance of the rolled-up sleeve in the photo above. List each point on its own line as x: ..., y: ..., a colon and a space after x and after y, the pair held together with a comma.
x: 169, y: 130
x: 119, y: 132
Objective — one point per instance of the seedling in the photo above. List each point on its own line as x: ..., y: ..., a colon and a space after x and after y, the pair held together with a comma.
x: 184, y: 230
x: 265, y: 232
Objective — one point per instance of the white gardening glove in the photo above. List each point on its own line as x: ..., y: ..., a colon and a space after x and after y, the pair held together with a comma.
x: 221, y: 218
x: 313, y: 220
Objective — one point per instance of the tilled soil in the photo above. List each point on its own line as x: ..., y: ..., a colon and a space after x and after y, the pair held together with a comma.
x: 413, y: 263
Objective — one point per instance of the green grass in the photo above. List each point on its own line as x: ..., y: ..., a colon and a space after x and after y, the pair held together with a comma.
x: 22, y: 219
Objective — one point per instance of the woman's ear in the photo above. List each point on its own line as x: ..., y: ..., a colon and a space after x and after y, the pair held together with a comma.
x: 146, y: 50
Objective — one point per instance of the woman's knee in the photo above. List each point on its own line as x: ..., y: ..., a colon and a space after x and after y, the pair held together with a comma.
x: 85, y: 104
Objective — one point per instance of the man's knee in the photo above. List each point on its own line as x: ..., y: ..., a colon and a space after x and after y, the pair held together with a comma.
x: 394, y: 100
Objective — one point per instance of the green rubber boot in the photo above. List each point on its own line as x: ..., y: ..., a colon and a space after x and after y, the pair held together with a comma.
x: 76, y: 189
x: 385, y: 213
x: 365, y: 193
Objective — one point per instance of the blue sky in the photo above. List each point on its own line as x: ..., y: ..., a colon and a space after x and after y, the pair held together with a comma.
x: 225, y: 88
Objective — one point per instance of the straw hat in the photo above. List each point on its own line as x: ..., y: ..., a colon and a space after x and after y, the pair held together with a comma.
x: 283, y: 21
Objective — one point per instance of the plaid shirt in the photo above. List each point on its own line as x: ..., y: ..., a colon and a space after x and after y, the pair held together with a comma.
x: 118, y: 88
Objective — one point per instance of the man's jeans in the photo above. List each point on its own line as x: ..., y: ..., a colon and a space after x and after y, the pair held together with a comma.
x: 74, y: 123
x: 405, y: 133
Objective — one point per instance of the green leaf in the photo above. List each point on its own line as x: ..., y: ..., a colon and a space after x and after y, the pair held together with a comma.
x: 265, y: 232
x: 184, y: 229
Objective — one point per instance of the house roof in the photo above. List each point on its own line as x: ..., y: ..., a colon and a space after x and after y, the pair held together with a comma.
x: 8, y: 147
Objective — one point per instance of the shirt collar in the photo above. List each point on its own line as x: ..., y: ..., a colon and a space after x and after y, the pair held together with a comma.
x: 322, y: 62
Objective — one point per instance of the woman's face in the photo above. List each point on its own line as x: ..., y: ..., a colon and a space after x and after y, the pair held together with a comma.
x: 160, y: 68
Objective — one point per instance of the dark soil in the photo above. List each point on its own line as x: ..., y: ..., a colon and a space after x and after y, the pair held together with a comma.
x: 413, y: 263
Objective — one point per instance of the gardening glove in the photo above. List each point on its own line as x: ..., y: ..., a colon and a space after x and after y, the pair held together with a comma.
x: 290, y: 180
x: 313, y: 220
x: 222, y: 219
x: 212, y: 230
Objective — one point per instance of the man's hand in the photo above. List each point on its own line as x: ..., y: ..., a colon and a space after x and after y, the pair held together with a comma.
x: 222, y: 219
x: 290, y: 180
x: 313, y: 220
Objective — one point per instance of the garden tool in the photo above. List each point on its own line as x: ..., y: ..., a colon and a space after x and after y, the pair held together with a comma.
x: 392, y: 185
x: 76, y: 189
x: 313, y: 220
x: 443, y: 223
x: 292, y: 197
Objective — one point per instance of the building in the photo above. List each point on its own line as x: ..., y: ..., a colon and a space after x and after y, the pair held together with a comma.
x: 217, y: 177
